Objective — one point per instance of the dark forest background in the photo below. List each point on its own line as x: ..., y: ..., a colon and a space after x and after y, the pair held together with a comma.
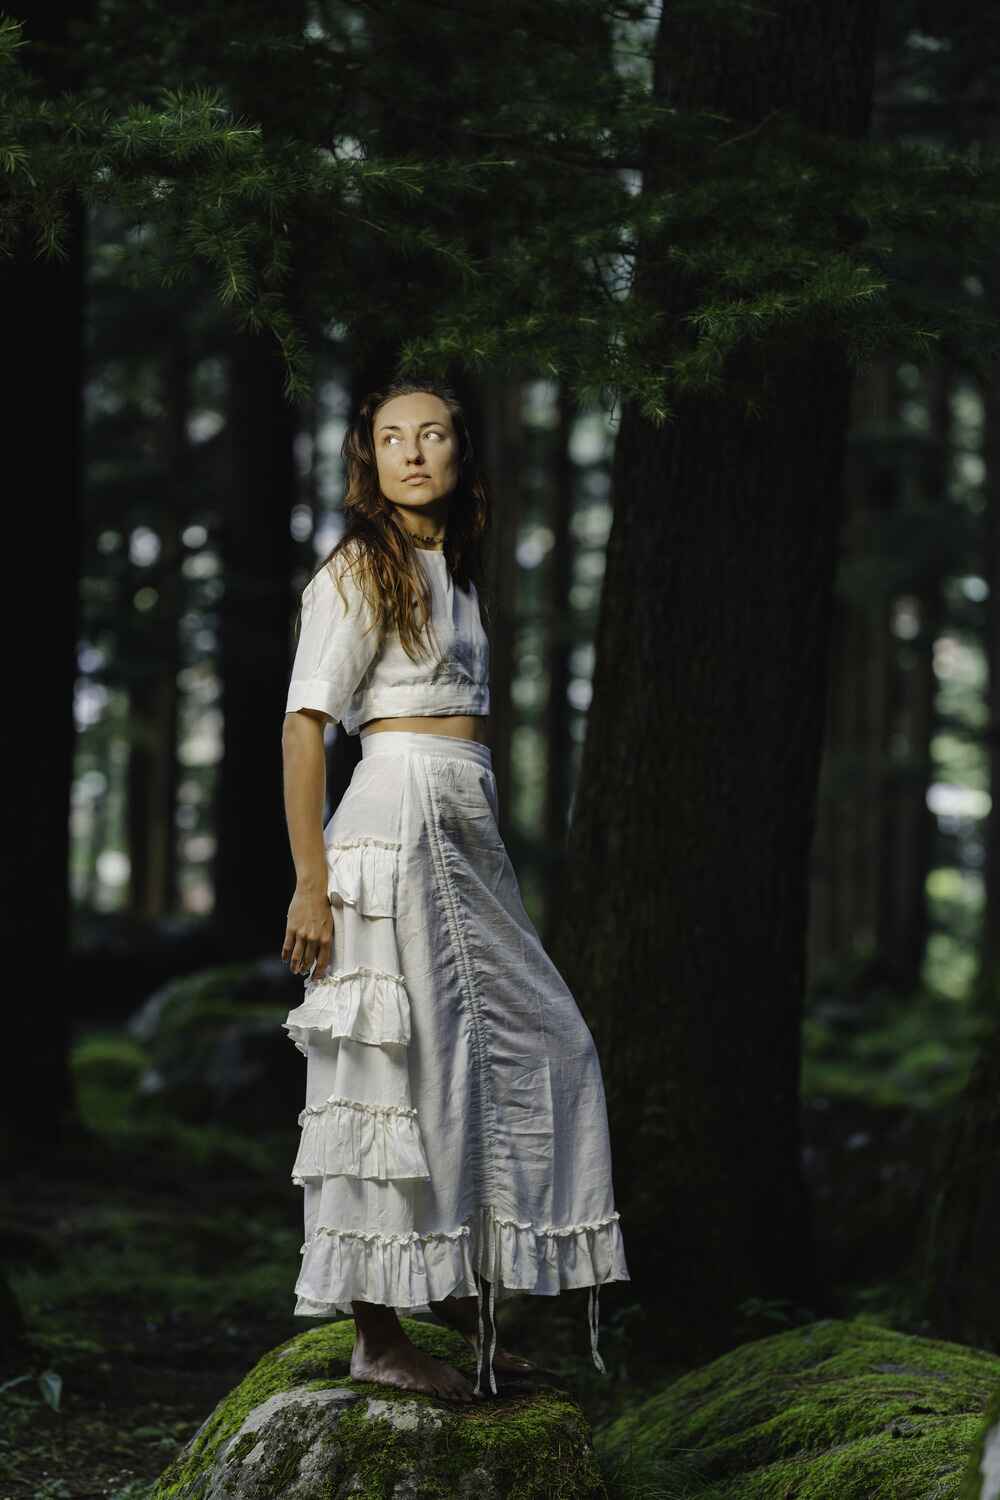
x: 719, y: 288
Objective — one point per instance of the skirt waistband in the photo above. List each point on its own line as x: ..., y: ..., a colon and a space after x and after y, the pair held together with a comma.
x: 408, y: 741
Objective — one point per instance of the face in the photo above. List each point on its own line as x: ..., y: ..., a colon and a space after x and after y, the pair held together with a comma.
x: 416, y: 450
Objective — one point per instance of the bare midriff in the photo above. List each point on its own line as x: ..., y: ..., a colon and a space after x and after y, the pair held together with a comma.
x: 462, y: 726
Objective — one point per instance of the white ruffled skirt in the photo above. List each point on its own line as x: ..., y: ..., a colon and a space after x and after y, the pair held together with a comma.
x: 455, y: 1124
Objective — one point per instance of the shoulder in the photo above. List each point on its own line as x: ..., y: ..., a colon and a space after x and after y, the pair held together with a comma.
x: 341, y: 568
x: 343, y: 586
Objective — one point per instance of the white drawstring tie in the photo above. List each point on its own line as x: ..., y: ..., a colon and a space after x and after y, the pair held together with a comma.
x: 488, y: 1225
x: 593, y: 1314
x: 490, y: 1230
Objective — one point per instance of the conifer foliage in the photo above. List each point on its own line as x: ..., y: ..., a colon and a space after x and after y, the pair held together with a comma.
x: 519, y: 247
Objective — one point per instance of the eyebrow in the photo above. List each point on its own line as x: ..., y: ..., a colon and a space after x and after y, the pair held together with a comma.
x: 391, y: 426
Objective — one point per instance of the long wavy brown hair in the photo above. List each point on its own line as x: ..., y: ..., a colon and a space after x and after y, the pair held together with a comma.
x: 380, y: 553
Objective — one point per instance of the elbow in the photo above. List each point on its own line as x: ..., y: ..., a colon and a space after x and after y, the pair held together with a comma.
x: 304, y: 726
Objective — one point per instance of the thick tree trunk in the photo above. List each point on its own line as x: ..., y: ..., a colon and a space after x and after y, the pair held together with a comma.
x: 685, y: 934
x: 43, y: 329
x: 252, y: 857
x: 253, y: 863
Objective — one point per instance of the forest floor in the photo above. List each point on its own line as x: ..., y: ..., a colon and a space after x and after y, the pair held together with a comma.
x: 154, y: 1266
x: 154, y: 1263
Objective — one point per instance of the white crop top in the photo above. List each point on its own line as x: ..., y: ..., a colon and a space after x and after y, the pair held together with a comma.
x: 344, y: 673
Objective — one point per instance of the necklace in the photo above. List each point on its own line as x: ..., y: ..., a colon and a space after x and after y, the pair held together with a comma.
x: 430, y: 545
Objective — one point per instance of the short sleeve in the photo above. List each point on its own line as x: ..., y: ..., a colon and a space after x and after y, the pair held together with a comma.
x: 335, y: 646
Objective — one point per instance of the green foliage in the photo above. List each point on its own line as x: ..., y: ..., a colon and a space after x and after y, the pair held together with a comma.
x: 870, y: 1043
x: 141, y: 1279
x: 510, y: 220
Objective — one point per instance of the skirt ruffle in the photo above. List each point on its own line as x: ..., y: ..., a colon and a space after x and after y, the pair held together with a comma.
x: 412, y: 1270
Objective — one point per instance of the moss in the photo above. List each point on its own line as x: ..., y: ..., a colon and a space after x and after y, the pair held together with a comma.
x: 535, y: 1445
x: 107, y: 1067
x: 513, y: 1440
x: 219, y: 994
x: 831, y: 1408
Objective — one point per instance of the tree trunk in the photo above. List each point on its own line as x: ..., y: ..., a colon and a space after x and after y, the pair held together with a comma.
x: 988, y: 978
x: 153, y: 698
x: 959, y: 1245
x: 908, y: 849
x: 253, y: 865
x: 501, y: 457
x: 559, y: 646
x: 874, y: 829
x: 43, y: 303
x: 685, y: 932
x: 252, y: 858
x: 847, y: 851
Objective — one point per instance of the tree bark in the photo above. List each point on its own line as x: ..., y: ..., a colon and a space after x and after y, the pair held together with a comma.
x: 501, y: 456
x: 874, y: 831
x: 252, y: 861
x: 908, y: 849
x: 43, y: 302
x: 959, y: 1243
x: 685, y: 931
x: 559, y: 647
x: 846, y: 850
x: 153, y: 697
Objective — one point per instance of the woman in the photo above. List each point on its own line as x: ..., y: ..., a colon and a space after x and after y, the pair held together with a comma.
x: 455, y: 1118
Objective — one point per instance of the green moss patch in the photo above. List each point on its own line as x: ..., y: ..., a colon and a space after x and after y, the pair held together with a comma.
x: 848, y: 1409
x: 299, y: 1421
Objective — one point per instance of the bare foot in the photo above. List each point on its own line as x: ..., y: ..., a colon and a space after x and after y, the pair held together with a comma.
x: 460, y: 1314
x: 402, y: 1364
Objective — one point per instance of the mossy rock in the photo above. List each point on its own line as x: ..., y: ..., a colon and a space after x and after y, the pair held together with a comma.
x: 298, y: 1426
x: 255, y: 984
x: 216, y: 1048
x: 845, y: 1409
x: 981, y: 1480
x: 107, y: 1069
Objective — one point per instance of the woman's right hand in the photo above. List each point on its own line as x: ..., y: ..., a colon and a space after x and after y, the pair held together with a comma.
x: 309, y: 931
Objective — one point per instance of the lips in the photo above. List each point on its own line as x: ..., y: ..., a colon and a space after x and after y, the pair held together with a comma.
x: 415, y: 478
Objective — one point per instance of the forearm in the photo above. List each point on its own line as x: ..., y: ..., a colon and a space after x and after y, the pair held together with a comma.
x: 304, y: 776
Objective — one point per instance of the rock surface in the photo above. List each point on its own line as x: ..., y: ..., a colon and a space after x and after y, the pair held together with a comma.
x: 216, y: 1046
x: 300, y: 1428
x: 832, y: 1409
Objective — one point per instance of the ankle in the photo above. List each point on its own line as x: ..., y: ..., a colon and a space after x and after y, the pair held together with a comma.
x: 377, y: 1329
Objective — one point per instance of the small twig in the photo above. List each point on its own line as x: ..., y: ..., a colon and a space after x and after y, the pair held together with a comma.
x: 745, y: 133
